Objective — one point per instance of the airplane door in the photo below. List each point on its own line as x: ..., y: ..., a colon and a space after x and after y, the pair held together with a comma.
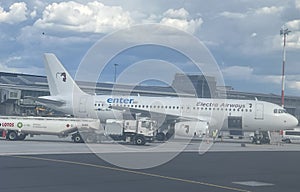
x: 82, y: 105
x: 259, y: 111
x: 235, y: 125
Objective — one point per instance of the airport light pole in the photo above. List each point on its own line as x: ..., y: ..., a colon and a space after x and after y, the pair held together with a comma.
x: 283, y: 31
x: 115, y: 77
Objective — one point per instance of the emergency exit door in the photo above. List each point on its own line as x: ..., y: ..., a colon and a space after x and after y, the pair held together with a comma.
x: 259, y: 111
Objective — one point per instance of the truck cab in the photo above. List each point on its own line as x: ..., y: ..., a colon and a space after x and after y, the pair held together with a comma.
x: 137, y: 131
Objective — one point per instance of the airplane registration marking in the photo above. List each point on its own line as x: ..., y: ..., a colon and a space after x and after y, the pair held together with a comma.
x: 133, y: 172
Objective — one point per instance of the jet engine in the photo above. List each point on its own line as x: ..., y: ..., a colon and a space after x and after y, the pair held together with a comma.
x: 191, y: 129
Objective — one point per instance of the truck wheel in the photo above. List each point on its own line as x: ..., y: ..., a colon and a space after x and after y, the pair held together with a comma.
x: 139, y: 140
x: 77, y: 138
x: 160, y: 136
x: 21, y: 137
x: 12, y: 135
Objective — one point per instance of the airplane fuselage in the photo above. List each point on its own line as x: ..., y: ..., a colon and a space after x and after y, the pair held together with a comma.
x: 226, y: 113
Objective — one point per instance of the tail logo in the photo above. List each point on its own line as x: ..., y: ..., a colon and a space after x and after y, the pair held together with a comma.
x: 62, y: 75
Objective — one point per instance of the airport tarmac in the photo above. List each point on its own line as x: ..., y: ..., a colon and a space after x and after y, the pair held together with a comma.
x: 47, y: 165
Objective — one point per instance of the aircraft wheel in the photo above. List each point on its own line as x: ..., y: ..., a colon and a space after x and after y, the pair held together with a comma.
x: 77, y: 138
x: 12, y: 135
x: 139, y: 140
x: 160, y: 136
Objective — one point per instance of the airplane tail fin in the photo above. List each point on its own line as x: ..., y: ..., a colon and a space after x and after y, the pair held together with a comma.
x: 59, y: 80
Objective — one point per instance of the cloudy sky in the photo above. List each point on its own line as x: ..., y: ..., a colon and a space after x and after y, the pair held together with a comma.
x: 242, y: 35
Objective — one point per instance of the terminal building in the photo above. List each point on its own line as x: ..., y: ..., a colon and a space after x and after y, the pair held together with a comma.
x: 15, y: 90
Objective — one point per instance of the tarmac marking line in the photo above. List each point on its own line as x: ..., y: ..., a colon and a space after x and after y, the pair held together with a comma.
x: 133, y: 172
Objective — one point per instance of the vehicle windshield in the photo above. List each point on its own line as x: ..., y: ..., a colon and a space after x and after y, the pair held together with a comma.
x: 146, y: 124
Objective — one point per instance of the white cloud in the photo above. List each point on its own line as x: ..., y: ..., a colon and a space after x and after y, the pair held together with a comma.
x: 253, y: 34
x: 238, y: 72
x: 176, y: 14
x: 33, y: 14
x: 294, y: 24
x: 16, y: 14
x: 90, y: 17
x: 294, y: 85
x: 275, y: 79
x: 291, y: 82
x: 180, y: 19
x: 233, y: 15
x: 252, y: 12
x: 268, y: 10
x: 297, y: 4
x: 5, y: 67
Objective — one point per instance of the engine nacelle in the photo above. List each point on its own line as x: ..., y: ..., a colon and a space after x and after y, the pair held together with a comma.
x: 190, y: 129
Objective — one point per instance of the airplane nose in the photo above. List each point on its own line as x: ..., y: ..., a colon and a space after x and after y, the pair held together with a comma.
x: 292, y: 122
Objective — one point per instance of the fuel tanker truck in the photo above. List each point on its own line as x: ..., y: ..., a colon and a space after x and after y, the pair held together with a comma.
x: 18, y: 127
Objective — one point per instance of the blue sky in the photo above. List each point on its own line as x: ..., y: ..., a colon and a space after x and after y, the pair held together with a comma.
x: 242, y: 35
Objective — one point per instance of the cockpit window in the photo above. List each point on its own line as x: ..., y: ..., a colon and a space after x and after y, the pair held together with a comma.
x: 280, y: 111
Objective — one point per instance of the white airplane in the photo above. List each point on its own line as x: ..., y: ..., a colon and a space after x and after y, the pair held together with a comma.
x: 246, y: 115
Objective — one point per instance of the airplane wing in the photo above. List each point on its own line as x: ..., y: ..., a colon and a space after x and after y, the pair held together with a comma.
x: 46, y: 100
x: 167, y: 117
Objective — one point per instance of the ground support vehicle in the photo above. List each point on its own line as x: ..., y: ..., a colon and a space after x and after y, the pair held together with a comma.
x: 290, y: 136
x: 131, y: 131
x: 18, y: 127
x: 261, y: 137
